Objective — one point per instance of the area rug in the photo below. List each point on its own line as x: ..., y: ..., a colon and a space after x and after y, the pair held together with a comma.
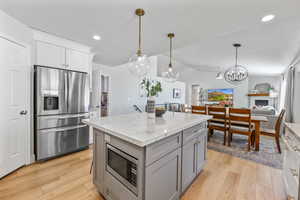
x: 267, y: 155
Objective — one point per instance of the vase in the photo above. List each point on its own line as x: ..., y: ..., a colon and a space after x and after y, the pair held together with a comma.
x: 150, y: 107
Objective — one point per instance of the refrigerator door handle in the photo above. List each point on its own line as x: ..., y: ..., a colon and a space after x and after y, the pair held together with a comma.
x: 61, y: 129
x: 67, y: 89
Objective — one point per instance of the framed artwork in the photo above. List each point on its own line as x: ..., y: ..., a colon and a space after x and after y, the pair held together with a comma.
x: 176, y: 93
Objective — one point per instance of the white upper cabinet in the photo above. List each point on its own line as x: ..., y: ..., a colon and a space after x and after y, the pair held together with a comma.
x: 78, y: 61
x: 50, y: 55
x: 57, y: 52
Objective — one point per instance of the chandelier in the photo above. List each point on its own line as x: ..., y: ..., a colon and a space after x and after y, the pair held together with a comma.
x: 171, y: 75
x: 236, y: 74
x: 139, y: 63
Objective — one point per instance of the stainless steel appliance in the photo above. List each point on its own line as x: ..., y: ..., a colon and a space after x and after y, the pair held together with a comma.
x: 61, y: 102
x: 122, y: 166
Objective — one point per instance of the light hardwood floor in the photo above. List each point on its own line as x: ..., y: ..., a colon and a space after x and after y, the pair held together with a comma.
x: 67, y: 178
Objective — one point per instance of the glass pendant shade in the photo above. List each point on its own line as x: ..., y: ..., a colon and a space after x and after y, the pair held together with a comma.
x: 170, y: 75
x: 139, y: 65
x: 237, y: 74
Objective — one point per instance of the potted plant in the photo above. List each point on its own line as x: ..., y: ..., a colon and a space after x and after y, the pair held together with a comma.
x: 152, y: 89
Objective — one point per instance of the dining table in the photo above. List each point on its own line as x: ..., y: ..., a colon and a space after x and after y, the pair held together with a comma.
x: 256, y: 120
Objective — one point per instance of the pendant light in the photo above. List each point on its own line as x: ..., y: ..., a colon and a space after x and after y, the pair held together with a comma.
x: 236, y: 74
x: 139, y: 63
x: 171, y: 75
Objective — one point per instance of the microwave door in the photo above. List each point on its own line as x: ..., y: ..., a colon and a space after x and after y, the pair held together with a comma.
x: 50, y: 91
x: 78, y: 92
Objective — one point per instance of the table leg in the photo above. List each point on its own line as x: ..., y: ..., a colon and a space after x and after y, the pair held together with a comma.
x: 257, y: 135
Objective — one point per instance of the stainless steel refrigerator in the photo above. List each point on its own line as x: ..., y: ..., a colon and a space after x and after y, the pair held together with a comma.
x: 61, y: 102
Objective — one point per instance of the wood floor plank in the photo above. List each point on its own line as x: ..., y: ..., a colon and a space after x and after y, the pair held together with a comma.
x: 67, y: 178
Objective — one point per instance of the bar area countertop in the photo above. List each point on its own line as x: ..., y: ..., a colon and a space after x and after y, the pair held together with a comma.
x: 138, y: 129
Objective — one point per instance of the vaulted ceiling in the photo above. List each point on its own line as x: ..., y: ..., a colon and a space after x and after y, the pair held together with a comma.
x: 205, y: 29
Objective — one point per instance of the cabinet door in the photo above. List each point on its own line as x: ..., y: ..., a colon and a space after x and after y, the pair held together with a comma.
x: 163, y: 178
x: 201, y: 151
x: 77, y: 60
x: 189, y: 170
x: 50, y: 55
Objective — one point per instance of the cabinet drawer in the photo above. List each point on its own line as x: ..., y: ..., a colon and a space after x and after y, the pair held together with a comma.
x: 157, y: 150
x: 192, y: 132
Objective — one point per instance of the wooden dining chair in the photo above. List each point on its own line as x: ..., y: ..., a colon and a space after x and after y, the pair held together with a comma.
x: 218, y: 122
x: 240, y: 116
x: 202, y: 110
x: 275, y: 132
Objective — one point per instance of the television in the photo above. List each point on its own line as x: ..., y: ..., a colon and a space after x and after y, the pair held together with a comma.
x: 222, y: 97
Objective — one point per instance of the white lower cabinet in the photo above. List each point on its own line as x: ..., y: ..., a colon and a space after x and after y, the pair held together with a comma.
x: 291, y: 164
x: 163, y: 178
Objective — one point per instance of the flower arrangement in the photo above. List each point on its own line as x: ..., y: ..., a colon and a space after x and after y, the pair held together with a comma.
x: 151, y: 87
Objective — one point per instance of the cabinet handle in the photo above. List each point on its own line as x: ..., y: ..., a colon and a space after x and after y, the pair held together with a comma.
x: 195, y: 157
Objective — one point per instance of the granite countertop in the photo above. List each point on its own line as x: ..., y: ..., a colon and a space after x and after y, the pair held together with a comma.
x: 294, y: 127
x: 138, y: 129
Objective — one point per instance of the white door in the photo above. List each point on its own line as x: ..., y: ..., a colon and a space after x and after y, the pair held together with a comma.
x: 14, y: 76
x: 77, y: 60
x: 50, y: 55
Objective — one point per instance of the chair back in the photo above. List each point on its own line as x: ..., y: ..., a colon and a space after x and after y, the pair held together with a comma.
x: 217, y: 112
x: 199, y: 110
x: 238, y: 115
x: 279, y: 122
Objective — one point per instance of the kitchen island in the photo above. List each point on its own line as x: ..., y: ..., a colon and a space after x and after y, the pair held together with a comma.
x: 139, y: 158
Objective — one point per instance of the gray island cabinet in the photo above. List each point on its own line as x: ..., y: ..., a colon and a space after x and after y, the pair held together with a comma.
x: 136, y: 158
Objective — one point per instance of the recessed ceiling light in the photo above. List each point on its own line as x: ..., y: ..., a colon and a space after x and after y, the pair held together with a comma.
x: 96, y: 37
x: 268, y: 18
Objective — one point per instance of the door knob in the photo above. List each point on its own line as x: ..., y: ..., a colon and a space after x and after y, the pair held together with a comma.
x: 23, y: 112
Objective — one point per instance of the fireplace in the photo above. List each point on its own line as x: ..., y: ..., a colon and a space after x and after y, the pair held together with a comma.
x: 261, y: 102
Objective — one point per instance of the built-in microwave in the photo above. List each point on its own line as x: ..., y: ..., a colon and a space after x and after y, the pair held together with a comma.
x: 123, y: 167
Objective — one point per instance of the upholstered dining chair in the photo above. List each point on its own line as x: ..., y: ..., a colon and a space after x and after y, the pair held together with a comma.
x: 275, y: 132
x: 199, y: 110
x: 218, y: 122
x: 240, y: 116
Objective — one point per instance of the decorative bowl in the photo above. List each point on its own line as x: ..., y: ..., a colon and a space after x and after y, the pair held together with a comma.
x: 159, y: 112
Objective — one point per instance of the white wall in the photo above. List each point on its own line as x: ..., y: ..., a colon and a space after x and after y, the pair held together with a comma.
x: 13, y: 29
x: 207, y: 80
x: 124, y: 89
x: 275, y: 81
